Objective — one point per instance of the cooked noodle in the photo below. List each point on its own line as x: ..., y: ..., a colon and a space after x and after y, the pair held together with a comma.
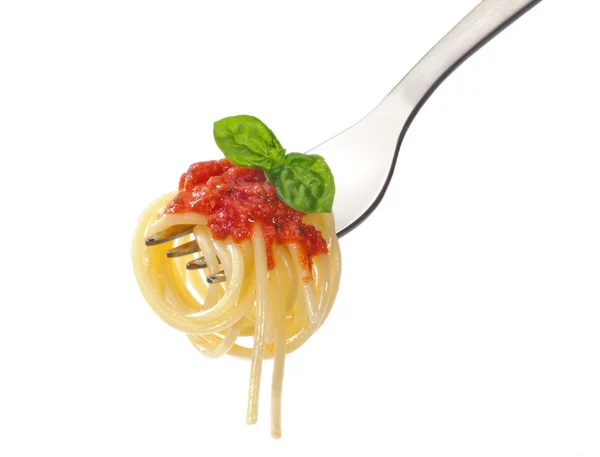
x: 279, y: 308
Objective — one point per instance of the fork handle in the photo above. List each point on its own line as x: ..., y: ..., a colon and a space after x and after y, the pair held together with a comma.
x: 484, y: 22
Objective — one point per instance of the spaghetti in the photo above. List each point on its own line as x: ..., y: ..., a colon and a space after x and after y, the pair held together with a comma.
x: 282, y: 271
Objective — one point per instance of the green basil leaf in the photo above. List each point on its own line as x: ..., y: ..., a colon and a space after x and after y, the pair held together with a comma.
x: 248, y: 142
x: 304, y: 182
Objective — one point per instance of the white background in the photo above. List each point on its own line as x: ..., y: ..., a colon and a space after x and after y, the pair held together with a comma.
x: 468, y: 318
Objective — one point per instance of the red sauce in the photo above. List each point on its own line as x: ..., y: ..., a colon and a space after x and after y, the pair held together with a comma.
x: 235, y: 198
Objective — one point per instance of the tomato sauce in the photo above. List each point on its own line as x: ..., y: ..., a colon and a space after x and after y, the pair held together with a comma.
x: 235, y: 198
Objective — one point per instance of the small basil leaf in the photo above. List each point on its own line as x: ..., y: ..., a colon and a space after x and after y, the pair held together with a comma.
x: 248, y: 142
x: 304, y: 182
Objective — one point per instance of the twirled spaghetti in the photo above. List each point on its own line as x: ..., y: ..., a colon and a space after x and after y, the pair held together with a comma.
x: 276, y: 294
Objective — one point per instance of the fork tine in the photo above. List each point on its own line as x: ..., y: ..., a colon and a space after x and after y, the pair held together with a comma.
x: 196, y: 264
x: 185, y: 249
x: 217, y: 277
x: 190, y: 247
x: 169, y: 234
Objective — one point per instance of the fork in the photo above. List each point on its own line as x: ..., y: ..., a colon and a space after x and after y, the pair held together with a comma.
x: 370, y: 147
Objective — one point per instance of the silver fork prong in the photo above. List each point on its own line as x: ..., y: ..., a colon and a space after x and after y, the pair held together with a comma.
x: 185, y: 249
x: 190, y: 247
x: 217, y: 277
x: 197, y: 264
x: 176, y: 231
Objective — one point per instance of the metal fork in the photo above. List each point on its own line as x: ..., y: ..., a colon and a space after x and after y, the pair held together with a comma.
x: 370, y: 147
x: 366, y: 153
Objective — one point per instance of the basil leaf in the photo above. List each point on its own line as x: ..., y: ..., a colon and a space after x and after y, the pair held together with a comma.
x: 248, y: 142
x: 304, y: 182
